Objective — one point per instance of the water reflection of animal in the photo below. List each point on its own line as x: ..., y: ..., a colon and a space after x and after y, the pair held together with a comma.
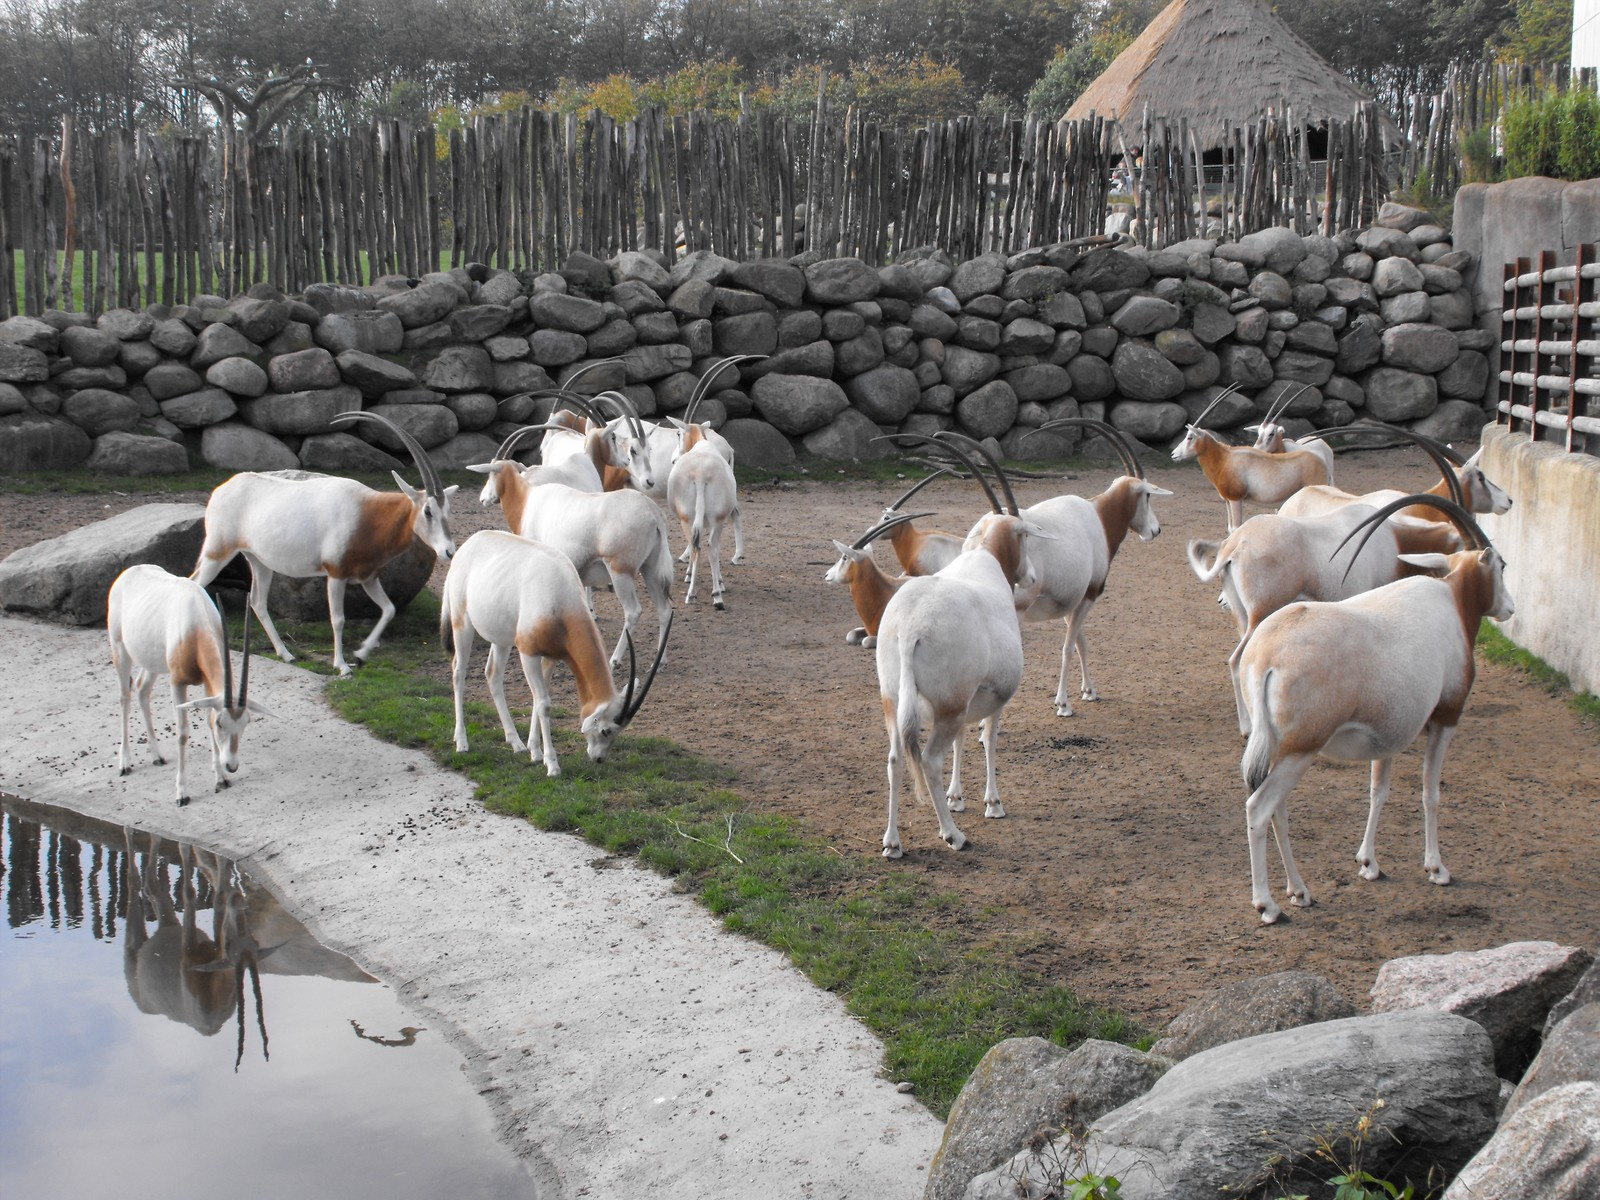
x: 178, y: 970
x: 408, y: 1035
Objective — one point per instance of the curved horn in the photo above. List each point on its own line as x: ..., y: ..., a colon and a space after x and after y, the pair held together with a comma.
x: 994, y: 501
x: 517, y: 436
x: 1130, y: 460
x: 244, y: 666
x: 948, y: 435
x: 917, y: 487
x: 1443, y: 457
x: 585, y: 369
x: 625, y: 409
x: 704, y: 384
x: 430, y: 477
x: 1221, y: 396
x: 630, y: 706
x: 1458, y: 515
x: 581, y: 404
x: 883, y: 527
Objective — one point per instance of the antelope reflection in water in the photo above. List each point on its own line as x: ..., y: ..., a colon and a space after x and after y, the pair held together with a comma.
x: 178, y: 970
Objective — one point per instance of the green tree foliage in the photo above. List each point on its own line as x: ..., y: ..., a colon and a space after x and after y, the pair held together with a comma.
x: 1542, y: 32
x: 1074, y: 69
x: 1556, y: 135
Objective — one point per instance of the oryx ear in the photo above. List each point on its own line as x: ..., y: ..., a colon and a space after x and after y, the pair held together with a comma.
x: 481, y: 468
x: 451, y: 490
x: 404, y: 486
x: 257, y: 709
x: 211, y: 702
x: 676, y: 424
x: 1039, y: 531
x: 1151, y: 489
x: 1428, y: 562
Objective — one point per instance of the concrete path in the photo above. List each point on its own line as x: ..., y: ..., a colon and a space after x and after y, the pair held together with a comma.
x: 626, y: 1044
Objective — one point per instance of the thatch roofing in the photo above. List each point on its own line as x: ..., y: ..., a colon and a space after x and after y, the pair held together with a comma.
x: 1210, y: 60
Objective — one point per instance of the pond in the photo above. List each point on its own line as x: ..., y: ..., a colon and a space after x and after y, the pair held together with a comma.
x: 170, y: 1027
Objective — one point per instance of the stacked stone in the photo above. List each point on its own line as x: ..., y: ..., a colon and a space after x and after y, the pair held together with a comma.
x: 1378, y: 322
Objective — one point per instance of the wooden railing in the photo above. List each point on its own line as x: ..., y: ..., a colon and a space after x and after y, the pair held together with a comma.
x: 1550, y: 348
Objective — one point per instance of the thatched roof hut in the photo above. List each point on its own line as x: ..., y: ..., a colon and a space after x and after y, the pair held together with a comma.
x: 1210, y: 60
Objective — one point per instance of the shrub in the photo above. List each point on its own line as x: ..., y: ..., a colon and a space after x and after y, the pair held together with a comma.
x: 1556, y: 135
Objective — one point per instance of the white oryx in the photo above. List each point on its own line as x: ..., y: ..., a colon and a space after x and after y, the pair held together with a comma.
x: 1271, y: 437
x: 519, y: 594
x: 610, y: 537
x: 703, y: 494
x: 300, y: 524
x: 163, y: 624
x: 1358, y: 680
x: 1074, y: 561
x: 1241, y: 473
x: 950, y: 652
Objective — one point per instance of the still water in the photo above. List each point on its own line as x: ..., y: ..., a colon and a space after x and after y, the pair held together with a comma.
x: 166, y: 1027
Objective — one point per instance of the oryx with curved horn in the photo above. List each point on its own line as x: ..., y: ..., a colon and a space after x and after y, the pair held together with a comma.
x: 950, y: 652
x: 1358, y: 680
x: 1241, y: 473
x: 163, y: 624
x: 1085, y: 536
x: 518, y: 593
x: 301, y: 524
x: 1271, y: 437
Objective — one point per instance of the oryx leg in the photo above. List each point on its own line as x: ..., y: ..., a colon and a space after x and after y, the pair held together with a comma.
x: 261, y: 584
x: 494, y: 671
x: 537, y: 669
x: 374, y: 590
x: 461, y: 636
x: 738, y: 536
x: 989, y: 735
x: 1432, y: 764
x: 1260, y: 810
x: 897, y: 752
x: 628, y: 596
x: 714, y: 552
x: 179, y: 695
x: 1367, y: 854
x: 952, y: 794
x: 926, y: 770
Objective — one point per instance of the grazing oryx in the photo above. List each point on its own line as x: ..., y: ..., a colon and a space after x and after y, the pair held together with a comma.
x: 1359, y: 679
x: 611, y: 537
x: 1241, y: 473
x: 299, y: 524
x: 1084, y: 537
x: 514, y: 592
x: 161, y: 624
x: 949, y: 652
x: 702, y: 493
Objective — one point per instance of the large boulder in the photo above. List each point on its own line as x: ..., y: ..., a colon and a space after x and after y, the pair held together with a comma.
x: 989, y: 411
x: 1396, y: 395
x: 849, y: 437
x: 1509, y: 990
x: 798, y: 404
x: 1253, y: 1006
x: 1570, y: 1054
x: 1148, y: 420
x: 841, y: 281
x: 422, y: 305
x: 36, y: 442
x: 369, y: 331
x: 1416, y: 347
x: 1549, y: 1148
x: 97, y: 411
x: 757, y: 444
x: 234, y: 446
x: 310, y: 411
x: 122, y: 453
x: 66, y: 578
x: 886, y: 394
x: 1023, y: 1085
x: 1199, y: 1131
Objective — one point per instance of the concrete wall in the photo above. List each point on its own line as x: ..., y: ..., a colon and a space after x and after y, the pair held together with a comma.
x: 1500, y: 222
x: 1551, y: 542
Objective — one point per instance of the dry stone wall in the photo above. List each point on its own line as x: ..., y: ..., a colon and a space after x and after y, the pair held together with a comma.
x: 1376, y: 322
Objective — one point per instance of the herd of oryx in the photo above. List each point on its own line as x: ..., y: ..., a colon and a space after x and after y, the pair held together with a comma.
x: 1357, y: 615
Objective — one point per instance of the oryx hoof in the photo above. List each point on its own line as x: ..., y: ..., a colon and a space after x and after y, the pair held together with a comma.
x: 223, y: 783
x: 994, y: 811
x: 855, y: 636
x: 737, y: 560
x: 125, y: 771
x: 717, y: 603
x: 956, y: 840
x: 1089, y: 697
x: 892, y: 851
x: 1063, y: 709
x: 1370, y: 871
x: 183, y: 801
x: 1300, y: 899
x: 1438, y: 875
x: 869, y: 642
x: 1269, y: 911
x: 956, y: 803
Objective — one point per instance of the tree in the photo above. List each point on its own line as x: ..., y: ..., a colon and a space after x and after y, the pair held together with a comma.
x: 1073, y: 70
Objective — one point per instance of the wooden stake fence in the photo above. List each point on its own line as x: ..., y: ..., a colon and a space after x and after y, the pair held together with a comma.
x: 167, y: 219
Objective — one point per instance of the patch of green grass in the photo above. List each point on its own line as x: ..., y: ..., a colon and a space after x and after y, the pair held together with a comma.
x: 1496, y: 647
x: 888, y: 944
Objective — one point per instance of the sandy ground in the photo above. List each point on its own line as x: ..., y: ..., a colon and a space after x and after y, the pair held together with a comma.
x: 625, y: 1044
x: 1121, y: 871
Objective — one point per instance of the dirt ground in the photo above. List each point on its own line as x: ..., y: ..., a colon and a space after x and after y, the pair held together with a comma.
x: 1121, y: 870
